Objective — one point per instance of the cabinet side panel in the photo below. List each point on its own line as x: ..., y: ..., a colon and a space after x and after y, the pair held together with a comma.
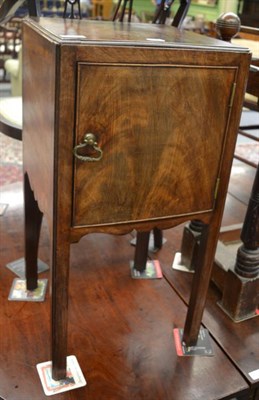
x: 39, y: 115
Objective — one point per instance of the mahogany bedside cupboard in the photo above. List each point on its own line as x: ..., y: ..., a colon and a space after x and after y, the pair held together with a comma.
x: 126, y: 126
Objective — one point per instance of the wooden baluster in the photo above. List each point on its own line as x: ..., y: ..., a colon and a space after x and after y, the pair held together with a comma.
x: 247, y: 261
x: 241, y: 302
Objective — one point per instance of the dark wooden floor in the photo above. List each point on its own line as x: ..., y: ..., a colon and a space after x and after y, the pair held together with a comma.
x: 120, y: 329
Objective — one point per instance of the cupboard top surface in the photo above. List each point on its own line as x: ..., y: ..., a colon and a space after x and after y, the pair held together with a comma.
x: 126, y: 34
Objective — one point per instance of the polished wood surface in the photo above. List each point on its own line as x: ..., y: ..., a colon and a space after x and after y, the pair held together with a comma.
x: 242, y: 301
x: 147, y: 177
x: 100, y: 32
x: 240, y: 340
x: 137, y: 149
x: 120, y: 329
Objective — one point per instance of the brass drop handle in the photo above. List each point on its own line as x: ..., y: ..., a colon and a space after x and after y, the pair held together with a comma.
x: 89, y: 140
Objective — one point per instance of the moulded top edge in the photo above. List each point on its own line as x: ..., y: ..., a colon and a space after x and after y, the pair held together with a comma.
x: 127, y: 34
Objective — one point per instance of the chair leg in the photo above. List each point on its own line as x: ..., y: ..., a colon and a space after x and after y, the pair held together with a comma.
x: 33, y: 219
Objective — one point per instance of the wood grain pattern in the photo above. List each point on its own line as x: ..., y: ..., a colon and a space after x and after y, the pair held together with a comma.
x: 162, y: 131
x: 39, y: 119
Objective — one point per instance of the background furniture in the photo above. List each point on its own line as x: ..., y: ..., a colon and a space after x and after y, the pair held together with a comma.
x: 10, y: 43
x: 102, y: 9
x: 9, y: 8
x: 14, y: 68
x: 11, y: 117
x: 248, y: 11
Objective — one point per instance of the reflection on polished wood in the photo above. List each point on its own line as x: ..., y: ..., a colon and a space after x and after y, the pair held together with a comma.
x: 120, y: 329
x: 240, y: 341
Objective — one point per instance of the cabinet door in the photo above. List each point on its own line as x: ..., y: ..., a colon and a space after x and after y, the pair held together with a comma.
x: 162, y: 130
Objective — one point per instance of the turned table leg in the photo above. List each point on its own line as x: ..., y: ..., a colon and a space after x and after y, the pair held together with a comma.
x: 247, y: 261
x: 241, y: 302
